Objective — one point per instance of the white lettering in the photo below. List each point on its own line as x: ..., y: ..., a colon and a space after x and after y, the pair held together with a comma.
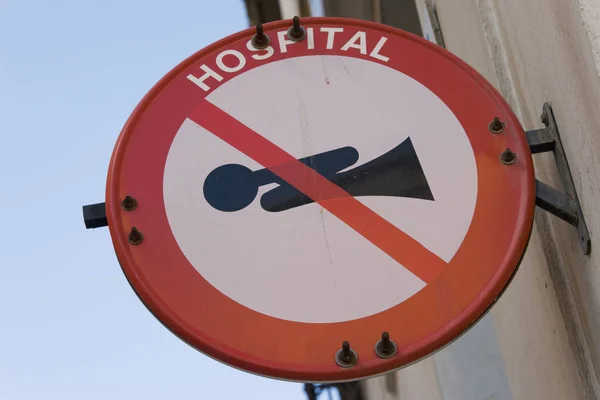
x: 362, y: 43
x: 235, y: 53
x: 269, y: 51
x: 208, y: 73
x: 310, y: 38
x: 375, y: 52
x: 358, y: 41
x: 331, y: 35
x: 283, y: 42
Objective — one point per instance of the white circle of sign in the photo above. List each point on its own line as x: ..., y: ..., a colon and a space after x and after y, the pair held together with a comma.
x: 304, y: 264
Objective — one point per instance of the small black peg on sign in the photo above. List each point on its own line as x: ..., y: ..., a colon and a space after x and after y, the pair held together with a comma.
x: 508, y: 157
x: 129, y: 203
x: 135, y: 237
x: 346, y: 357
x: 385, y: 341
x: 496, y: 126
x: 260, y: 40
x: 296, y: 33
x: 385, y: 348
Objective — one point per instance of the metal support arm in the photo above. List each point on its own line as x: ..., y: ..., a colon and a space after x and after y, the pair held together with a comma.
x: 94, y: 215
x: 563, y: 205
x: 566, y: 205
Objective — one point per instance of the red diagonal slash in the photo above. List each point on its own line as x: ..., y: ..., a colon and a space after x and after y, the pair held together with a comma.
x: 395, y: 243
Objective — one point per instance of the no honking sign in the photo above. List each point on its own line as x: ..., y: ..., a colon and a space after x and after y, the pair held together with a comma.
x: 322, y: 204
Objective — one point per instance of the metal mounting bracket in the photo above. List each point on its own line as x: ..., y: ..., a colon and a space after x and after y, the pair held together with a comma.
x: 566, y: 205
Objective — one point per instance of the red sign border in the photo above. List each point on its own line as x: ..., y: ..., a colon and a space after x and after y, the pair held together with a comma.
x: 524, y: 199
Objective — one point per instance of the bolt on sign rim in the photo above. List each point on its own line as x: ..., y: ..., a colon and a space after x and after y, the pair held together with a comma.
x: 273, y: 278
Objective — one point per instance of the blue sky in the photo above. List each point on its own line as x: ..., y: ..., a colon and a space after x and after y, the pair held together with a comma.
x: 70, y: 74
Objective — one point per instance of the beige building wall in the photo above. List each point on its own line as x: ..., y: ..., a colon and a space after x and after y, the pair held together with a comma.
x: 542, y: 339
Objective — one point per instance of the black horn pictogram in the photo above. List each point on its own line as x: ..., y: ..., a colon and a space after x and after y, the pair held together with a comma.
x: 233, y: 187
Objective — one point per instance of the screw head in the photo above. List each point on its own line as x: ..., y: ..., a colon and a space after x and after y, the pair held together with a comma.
x: 346, y: 357
x: 385, y: 348
x: 496, y: 126
x: 135, y: 237
x: 544, y: 118
x: 129, y: 203
x: 296, y: 32
x: 260, y: 40
x: 508, y: 157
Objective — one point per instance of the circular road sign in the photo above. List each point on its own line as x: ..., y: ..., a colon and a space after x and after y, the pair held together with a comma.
x: 324, y: 203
